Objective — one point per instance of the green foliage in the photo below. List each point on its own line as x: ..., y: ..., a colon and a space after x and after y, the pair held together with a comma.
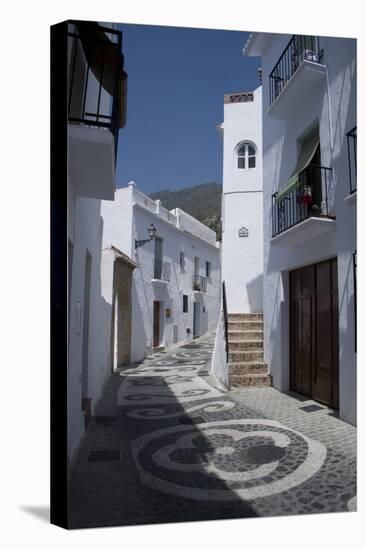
x: 203, y: 202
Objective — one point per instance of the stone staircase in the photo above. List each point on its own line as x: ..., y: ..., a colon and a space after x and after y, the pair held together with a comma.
x: 246, y: 365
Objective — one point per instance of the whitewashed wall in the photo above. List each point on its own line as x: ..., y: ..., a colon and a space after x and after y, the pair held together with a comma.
x: 85, y: 228
x: 85, y: 232
x: 127, y: 219
x: 333, y: 106
x: 242, y: 257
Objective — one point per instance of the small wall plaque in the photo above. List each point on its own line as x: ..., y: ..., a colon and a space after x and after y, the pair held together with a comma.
x: 167, y: 313
x: 243, y: 232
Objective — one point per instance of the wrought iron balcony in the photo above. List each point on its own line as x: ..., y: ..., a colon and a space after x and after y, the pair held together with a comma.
x: 162, y: 270
x: 352, y: 159
x: 199, y: 283
x: 97, y: 81
x: 300, y: 48
x: 308, y: 200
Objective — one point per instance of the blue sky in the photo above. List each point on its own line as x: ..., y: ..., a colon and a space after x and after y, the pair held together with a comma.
x: 177, y: 79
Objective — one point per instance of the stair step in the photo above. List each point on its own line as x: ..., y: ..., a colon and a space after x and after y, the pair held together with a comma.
x: 245, y: 316
x: 245, y: 345
x: 250, y: 380
x: 245, y: 325
x: 251, y: 367
x: 245, y: 335
x: 245, y: 356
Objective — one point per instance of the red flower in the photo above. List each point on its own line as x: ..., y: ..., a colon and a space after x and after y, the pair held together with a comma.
x: 305, y: 199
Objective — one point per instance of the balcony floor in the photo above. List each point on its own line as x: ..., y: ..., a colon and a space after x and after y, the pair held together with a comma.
x: 303, y: 231
x: 91, y: 161
x: 302, y: 83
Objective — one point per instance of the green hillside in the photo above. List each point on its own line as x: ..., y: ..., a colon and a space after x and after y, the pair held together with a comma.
x: 201, y: 201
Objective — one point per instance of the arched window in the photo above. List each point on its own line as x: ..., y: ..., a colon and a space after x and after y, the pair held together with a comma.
x: 246, y: 156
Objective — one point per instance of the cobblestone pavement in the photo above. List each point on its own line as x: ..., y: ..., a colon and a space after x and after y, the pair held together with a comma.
x: 166, y: 445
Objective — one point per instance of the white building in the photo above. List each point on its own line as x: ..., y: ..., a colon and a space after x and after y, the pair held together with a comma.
x: 175, y: 286
x: 95, y: 113
x: 309, y: 182
x: 242, y: 202
x: 242, y: 249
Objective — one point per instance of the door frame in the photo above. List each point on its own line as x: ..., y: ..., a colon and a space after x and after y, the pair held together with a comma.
x: 335, y: 375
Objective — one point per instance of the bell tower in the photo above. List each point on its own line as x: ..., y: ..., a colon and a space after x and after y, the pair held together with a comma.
x: 242, y: 204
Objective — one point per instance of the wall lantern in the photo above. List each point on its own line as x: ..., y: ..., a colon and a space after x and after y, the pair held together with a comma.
x: 152, y: 231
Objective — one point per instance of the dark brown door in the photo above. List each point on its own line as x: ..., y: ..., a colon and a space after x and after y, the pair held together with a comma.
x: 156, y: 324
x: 314, y: 332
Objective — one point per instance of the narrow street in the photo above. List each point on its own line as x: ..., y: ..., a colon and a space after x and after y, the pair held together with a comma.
x: 166, y: 445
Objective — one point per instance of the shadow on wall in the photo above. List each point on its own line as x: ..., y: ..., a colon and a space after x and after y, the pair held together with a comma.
x: 99, y: 345
x: 347, y: 345
x: 276, y: 345
x: 255, y: 294
x: 204, y: 319
x: 348, y: 354
x: 345, y: 120
x: 105, y: 319
x: 139, y: 338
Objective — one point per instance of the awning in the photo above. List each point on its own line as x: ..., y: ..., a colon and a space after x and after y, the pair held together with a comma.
x: 306, y: 154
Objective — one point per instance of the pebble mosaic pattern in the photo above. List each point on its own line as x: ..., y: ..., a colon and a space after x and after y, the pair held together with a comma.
x: 227, y: 459
x: 242, y: 453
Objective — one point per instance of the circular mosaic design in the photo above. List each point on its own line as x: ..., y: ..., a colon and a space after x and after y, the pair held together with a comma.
x: 227, y: 460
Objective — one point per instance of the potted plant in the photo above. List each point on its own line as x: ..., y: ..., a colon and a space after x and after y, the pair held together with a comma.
x: 305, y: 200
x: 305, y: 197
x: 315, y: 210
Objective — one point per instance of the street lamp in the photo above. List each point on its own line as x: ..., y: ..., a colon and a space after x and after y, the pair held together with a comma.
x: 152, y: 231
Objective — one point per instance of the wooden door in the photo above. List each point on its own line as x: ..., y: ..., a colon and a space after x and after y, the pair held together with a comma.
x: 196, y: 318
x: 302, y: 328
x: 325, y: 387
x: 314, y: 332
x: 156, y: 324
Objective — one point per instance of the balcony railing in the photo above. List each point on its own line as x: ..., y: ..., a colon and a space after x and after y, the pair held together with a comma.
x: 299, y: 49
x: 308, y: 200
x: 352, y: 159
x: 226, y: 323
x: 161, y: 270
x: 199, y: 283
x: 97, y: 82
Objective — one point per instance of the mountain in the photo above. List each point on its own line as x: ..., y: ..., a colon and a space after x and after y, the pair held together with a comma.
x: 201, y: 201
